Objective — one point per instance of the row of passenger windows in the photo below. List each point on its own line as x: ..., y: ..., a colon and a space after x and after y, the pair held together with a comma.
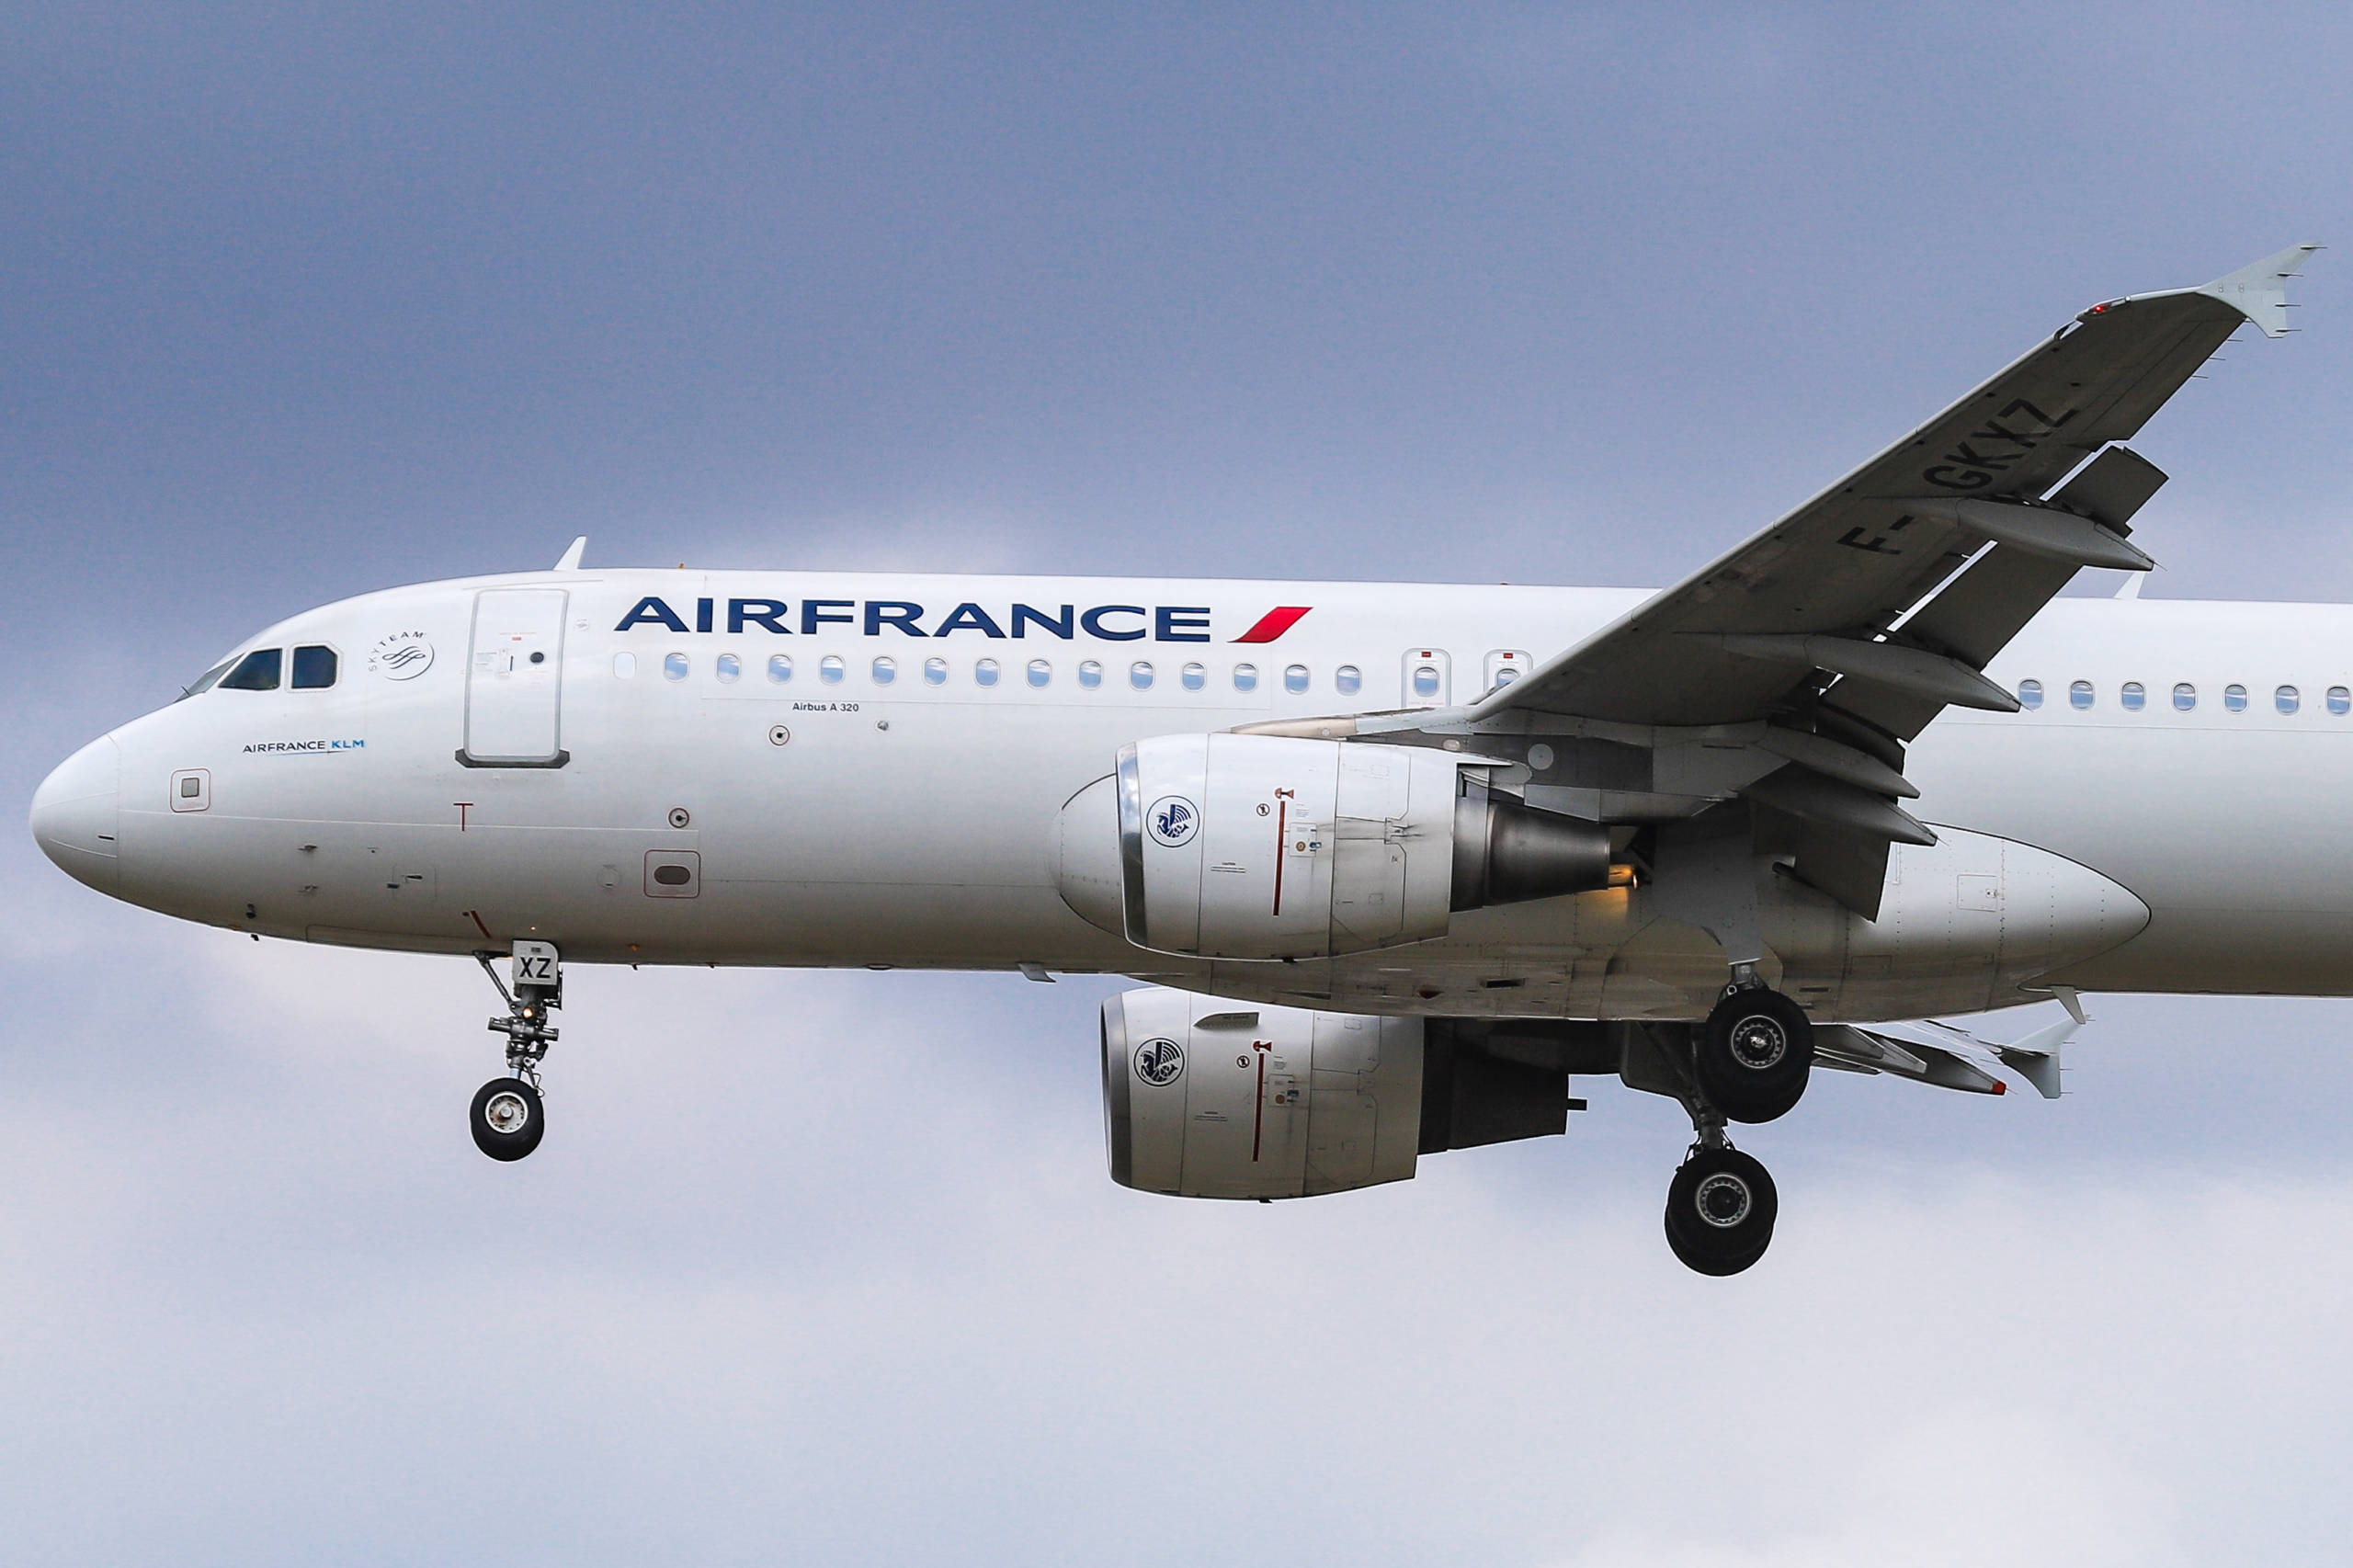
x: 316, y: 667
x: 2133, y: 697
x: 1348, y: 680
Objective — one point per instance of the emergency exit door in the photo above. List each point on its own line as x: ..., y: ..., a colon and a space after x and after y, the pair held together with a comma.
x: 515, y: 679
x: 1429, y: 678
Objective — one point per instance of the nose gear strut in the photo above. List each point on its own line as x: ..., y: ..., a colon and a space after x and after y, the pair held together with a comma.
x: 529, y: 1033
x: 509, y: 1116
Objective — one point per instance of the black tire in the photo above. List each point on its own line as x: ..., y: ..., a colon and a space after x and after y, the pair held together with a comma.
x: 1755, y: 1054
x: 497, y: 1104
x: 1720, y: 1212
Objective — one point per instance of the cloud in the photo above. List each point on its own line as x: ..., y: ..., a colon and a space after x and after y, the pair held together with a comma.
x: 826, y: 1267
x: 1956, y: 1487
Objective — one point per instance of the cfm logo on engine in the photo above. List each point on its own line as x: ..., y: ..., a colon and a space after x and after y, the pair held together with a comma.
x: 1160, y: 1061
x: 1174, y: 821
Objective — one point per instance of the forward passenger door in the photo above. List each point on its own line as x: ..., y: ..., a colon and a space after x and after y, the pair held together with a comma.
x: 515, y: 679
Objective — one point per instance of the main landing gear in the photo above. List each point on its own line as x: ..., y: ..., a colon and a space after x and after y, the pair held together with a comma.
x: 1720, y: 1208
x: 1748, y: 1062
x: 1754, y: 1053
x: 509, y: 1116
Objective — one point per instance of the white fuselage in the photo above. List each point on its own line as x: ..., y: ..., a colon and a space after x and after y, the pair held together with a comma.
x: 683, y: 815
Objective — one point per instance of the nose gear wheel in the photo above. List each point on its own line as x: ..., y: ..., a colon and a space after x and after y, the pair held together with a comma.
x: 508, y: 1118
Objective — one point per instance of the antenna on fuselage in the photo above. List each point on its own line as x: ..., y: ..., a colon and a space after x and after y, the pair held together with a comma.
x: 571, y: 562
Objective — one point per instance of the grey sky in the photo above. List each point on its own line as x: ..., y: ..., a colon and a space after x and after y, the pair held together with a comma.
x: 824, y: 1268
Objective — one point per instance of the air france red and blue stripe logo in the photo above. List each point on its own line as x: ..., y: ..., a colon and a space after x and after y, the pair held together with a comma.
x: 1274, y: 623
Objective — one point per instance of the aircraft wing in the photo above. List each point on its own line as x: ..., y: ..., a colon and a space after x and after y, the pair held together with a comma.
x: 1761, y: 629
x: 1950, y: 1057
x: 1790, y: 673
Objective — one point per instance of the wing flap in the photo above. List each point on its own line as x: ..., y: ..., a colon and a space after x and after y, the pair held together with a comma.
x: 1847, y: 865
x: 1975, y: 616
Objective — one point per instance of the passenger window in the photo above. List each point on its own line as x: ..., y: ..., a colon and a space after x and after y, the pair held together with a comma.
x: 2234, y: 698
x: 315, y: 667
x: 886, y: 670
x: 2287, y: 699
x: 1295, y: 679
x: 2079, y: 694
x: 2133, y: 694
x: 1040, y: 672
x: 2030, y: 694
x: 779, y: 668
x: 829, y: 669
x: 1348, y: 680
x: 729, y: 668
x: 1195, y: 676
x: 2340, y: 701
x: 1426, y: 681
x: 986, y: 672
x: 934, y: 671
x: 625, y: 666
x: 1140, y: 675
x: 2185, y: 697
x: 1090, y: 675
x: 1245, y: 677
x: 676, y: 666
x: 257, y: 671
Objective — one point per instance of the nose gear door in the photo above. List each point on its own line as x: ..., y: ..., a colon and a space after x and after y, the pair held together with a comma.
x: 515, y: 679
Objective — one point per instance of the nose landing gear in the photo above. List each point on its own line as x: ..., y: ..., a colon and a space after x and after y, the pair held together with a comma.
x: 509, y: 1116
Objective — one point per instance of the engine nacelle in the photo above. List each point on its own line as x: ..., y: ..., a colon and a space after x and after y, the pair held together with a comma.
x: 1205, y: 1097
x: 1270, y: 846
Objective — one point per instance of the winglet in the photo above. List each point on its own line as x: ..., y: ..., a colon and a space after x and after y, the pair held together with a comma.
x: 571, y: 562
x: 2260, y: 292
x: 2036, y: 1058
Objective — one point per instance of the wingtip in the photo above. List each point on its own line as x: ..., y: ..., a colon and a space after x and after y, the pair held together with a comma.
x: 2259, y: 289
x: 570, y: 561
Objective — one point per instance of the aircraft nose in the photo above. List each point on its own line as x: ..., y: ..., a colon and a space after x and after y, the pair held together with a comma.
x: 74, y: 814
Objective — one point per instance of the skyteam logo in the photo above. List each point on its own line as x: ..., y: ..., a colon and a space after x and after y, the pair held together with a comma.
x: 1160, y: 1061
x: 1173, y: 820
x: 404, y: 656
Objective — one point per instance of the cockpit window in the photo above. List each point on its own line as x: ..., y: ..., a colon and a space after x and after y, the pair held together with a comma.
x: 257, y: 671
x: 208, y: 680
x: 315, y: 667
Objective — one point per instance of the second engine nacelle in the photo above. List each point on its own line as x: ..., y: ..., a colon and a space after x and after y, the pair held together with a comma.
x: 1267, y: 846
x: 1204, y: 1097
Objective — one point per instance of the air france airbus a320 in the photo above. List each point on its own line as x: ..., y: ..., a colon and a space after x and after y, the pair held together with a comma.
x: 1396, y: 862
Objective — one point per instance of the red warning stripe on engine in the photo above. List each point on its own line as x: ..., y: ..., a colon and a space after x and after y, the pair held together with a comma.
x: 1274, y: 623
